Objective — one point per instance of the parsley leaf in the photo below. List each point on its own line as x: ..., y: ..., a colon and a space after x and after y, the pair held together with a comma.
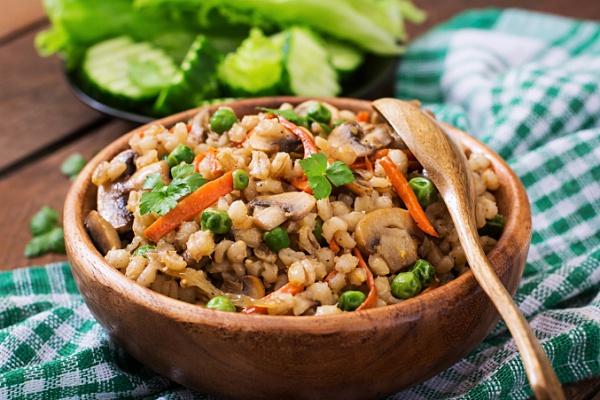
x: 152, y: 181
x: 320, y: 186
x: 321, y: 177
x: 314, y: 165
x: 182, y: 170
x: 339, y: 174
x: 163, y: 199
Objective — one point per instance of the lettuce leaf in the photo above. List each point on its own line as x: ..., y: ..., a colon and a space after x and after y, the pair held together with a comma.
x: 373, y: 25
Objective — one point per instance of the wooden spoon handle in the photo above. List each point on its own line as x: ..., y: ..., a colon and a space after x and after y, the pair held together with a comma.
x: 542, y: 379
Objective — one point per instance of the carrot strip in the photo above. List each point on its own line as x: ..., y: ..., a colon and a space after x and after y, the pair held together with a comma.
x: 334, y: 246
x: 381, y: 153
x: 287, y: 288
x: 371, y: 299
x: 363, y: 116
x: 301, y: 183
x: 190, y: 206
x: 408, y: 196
x: 330, y: 275
x: 305, y: 137
x: 197, y: 160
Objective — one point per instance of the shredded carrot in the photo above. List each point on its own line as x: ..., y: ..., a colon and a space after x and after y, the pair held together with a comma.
x: 301, y: 183
x: 302, y: 133
x: 356, y: 189
x: 371, y: 299
x: 381, y: 153
x: 213, y: 163
x: 363, y: 116
x: 409, y: 198
x: 197, y: 160
x: 365, y: 163
x: 334, y: 246
x: 287, y: 288
x: 330, y: 275
x: 190, y: 206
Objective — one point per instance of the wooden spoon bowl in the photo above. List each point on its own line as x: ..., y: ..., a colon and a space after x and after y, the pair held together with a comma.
x: 367, y: 354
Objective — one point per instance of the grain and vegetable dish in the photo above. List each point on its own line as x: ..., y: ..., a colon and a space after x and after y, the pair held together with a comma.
x: 291, y: 211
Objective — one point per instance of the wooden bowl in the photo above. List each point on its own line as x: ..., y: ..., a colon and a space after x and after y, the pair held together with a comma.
x: 358, y: 355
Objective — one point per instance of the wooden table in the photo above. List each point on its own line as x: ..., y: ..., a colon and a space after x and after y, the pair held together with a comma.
x: 43, y: 123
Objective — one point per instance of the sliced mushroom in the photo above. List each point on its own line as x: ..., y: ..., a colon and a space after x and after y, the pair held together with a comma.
x: 269, y: 136
x: 349, y: 134
x: 295, y: 205
x: 112, y: 197
x: 377, y: 136
x: 387, y: 232
x: 252, y: 287
x: 136, y: 182
x: 128, y: 158
x: 104, y: 236
x: 269, y: 218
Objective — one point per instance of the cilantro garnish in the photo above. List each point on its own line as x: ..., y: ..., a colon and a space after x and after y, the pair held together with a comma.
x: 321, y: 177
x: 163, y: 198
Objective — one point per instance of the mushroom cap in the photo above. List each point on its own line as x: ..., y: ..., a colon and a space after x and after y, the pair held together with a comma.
x: 387, y: 232
x: 349, y: 134
x: 103, y: 234
x: 295, y: 205
x: 112, y: 197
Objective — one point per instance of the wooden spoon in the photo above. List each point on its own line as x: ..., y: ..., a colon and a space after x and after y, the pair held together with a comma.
x: 447, y: 168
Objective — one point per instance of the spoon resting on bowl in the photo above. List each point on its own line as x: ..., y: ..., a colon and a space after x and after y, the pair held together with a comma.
x: 447, y: 168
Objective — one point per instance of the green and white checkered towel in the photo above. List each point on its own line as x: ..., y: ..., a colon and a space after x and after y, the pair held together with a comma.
x: 528, y: 85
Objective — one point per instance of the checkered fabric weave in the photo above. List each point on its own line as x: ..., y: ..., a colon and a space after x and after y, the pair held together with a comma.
x: 527, y: 84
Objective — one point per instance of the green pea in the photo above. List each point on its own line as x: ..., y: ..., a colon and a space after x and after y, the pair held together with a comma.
x: 424, y: 271
x: 181, y: 153
x: 144, y: 249
x: 277, y: 239
x: 216, y: 221
x: 424, y: 189
x: 406, y: 285
x: 318, y: 112
x: 351, y: 300
x: 222, y: 120
x: 43, y: 221
x: 221, y: 303
x: 240, y: 179
x: 73, y: 165
x: 493, y: 227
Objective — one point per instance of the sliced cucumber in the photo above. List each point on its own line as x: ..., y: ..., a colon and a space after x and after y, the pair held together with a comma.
x: 195, y: 82
x: 307, y: 65
x: 255, y: 68
x: 344, y: 57
x: 127, y: 71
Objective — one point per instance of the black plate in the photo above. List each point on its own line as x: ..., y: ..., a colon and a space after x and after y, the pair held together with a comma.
x: 374, y: 79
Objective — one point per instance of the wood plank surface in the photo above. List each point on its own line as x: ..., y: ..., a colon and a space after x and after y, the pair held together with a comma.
x: 37, y: 107
x: 37, y: 184
x: 19, y: 14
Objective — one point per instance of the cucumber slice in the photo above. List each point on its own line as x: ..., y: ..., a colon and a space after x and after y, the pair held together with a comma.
x: 195, y: 82
x: 127, y: 71
x: 307, y: 65
x: 344, y: 57
x: 255, y: 68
